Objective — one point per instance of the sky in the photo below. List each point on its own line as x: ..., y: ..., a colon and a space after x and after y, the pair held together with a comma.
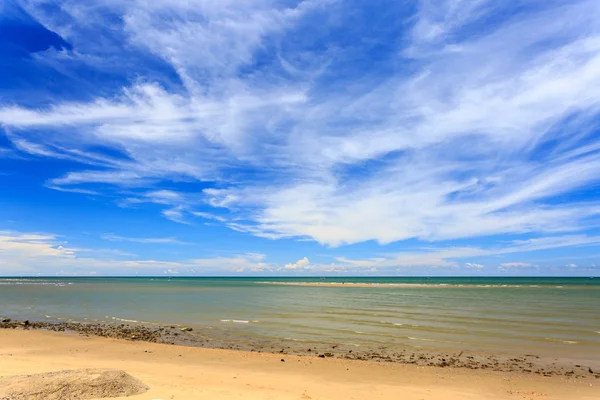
x: 286, y: 137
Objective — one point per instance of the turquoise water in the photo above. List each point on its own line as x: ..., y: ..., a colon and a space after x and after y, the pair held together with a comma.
x: 557, y: 317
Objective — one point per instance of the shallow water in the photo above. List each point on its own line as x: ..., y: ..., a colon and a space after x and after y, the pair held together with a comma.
x: 555, y: 317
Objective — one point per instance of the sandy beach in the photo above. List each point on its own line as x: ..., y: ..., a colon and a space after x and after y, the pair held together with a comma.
x: 177, y: 372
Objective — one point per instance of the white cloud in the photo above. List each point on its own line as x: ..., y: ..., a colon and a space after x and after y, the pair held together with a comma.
x: 453, y: 150
x: 171, y: 271
x: 474, y: 266
x: 515, y: 265
x: 175, y: 214
x: 33, y: 253
x: 206, y: 215
x: 447, y: 257
x: 46, y: 254
x: 166, y: 240
x: 178, y: 205
x: 300, y: 264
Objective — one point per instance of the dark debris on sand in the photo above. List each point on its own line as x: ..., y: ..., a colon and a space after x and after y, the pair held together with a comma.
x: 169, y: 334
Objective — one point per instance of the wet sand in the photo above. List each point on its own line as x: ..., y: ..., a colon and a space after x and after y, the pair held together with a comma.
x: 176, y: 372
x: 525, y: 364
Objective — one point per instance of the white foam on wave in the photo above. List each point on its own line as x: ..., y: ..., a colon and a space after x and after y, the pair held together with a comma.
x: 561, y: 341
x: 403, y: 285
x: 121, y: 319
x: 236, y: 321
x: 421, y: 339
x: 295, y: 340
x: 28, y: 283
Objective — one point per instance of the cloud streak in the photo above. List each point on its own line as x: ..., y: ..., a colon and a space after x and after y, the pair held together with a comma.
x: 478, y: 136
x: 447, y: 257
x: 115, y: 238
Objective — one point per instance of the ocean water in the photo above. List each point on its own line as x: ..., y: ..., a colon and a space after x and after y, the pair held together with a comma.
x: 550, y: 317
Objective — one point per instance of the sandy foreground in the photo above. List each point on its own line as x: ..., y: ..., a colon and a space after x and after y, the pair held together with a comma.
x: 175, y: 372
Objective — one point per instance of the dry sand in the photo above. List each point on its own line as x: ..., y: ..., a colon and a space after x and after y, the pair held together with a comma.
x: 174, y: 372
x: 80, y: 384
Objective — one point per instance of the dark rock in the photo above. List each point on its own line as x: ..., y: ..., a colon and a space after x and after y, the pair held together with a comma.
x: 282, y: 360
x: 321, y: 355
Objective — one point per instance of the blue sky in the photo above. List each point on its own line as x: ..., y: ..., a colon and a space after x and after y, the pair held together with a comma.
x: 316, y: 137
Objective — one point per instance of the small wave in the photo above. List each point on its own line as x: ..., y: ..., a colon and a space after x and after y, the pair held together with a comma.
x: 421, y: 339
x: 30, y: 283
x: 122, y: 319
x: 561, y: 341
x: 404, y: 285
x: 359, y: 332
x: 392, y: 323
x: 236, y: 321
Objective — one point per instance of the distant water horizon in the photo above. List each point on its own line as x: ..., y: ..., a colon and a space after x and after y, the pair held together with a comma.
x: 548, y: 316
x: 296, y: 277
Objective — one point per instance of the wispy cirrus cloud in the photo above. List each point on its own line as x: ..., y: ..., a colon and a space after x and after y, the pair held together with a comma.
x: 449, y: 256
x: 116, y: 238
x: 485, y: 128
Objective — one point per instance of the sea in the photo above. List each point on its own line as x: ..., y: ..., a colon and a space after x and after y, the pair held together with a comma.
x: 550, y: 317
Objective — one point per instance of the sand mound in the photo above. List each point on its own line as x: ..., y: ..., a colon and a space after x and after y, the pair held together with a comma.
x: 76, y: 384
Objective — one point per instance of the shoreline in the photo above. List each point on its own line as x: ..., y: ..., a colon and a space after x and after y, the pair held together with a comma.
x: 529, y: 364
x: 175, y: 372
